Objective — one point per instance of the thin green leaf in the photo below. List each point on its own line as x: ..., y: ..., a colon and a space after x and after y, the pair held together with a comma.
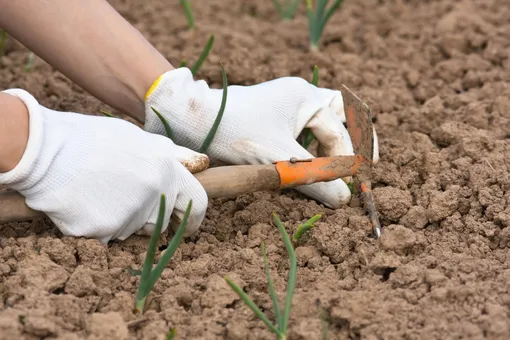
x: 203, y: 55
x: 303, y: 228
x: 350, y: 185
x: 164, y: 122
x: 330, y: 12
x: 216, y: 124
x: 323, y: 315
x: 171, y: 334
x: 311, y: 18
x: 3, y: 39
x: 278, y: 7
x: 144, y: 288
x: 246, y: 299
x: 319, y: 10
x: 170, y: 250
x: 133, y: 272
x: 291, y: 284
x: 272, y: 291
x: 315, y: 76
x: 309, y: 137
x: 30, y: 62
x: 107, y: 114
x: 288, y: 9
x: 293, y: 9
x: 189, y: 13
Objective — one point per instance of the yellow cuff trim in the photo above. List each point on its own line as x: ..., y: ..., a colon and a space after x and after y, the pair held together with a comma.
x: 153, y: 87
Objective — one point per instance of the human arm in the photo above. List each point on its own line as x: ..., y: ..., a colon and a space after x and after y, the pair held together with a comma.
x: 91, y: 44
x: 260, y: 124
x: 13, y: 131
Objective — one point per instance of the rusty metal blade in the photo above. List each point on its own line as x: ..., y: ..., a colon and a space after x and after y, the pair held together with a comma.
x: 361, y: 131
x: 359, y: 124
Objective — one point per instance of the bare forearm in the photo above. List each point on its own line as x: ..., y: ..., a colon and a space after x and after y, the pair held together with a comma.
x: 91, y: 44
x: 13, y: 131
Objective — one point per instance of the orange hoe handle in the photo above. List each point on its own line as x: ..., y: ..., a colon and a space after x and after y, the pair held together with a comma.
x: 323, y: 169
x: 229, y: 181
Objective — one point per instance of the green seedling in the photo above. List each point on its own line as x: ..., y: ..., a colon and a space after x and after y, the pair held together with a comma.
x: 150, y: 275
x: 287, y: 9
x: 282, y: 317
x: 171, y: 334
x: 309, y: 136
x: 189, y: 13
x: 303, y: 228
x: 30, y: 62
x: 201, y: 58
x: 3, y: 39
x: 318, y: 17
x: 217, y: 121
x: 164, y: 122
x: 107, y: 114
x: 350, y: 185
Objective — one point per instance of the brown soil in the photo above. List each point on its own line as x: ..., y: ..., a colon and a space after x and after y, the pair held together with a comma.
x: 437, y: 73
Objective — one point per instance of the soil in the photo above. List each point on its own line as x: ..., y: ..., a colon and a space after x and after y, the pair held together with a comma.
x: 436, y: 73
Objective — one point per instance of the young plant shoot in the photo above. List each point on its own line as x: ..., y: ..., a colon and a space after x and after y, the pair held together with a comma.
x: 303, y: 228
x: 217, y: 121
x: 30, y: 62
x: 287, y: 8
x: 318, y: 17
x: 149, y: 274
x: 201, y: 58
x: 189, y: 13
x: 282, y: 317
x: 3, y: 39
x: 164, y: 122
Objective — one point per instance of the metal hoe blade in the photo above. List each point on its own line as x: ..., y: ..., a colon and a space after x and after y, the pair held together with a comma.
x: 360, y: 127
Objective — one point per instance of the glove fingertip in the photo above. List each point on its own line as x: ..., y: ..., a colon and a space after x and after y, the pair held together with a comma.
x: 332, y: 194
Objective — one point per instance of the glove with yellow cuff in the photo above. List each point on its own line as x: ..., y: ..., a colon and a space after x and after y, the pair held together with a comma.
x: 260, y: 123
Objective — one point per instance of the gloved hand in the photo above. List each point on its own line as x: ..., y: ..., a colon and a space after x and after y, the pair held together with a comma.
x: 260, y: 123
x: 102, y: 177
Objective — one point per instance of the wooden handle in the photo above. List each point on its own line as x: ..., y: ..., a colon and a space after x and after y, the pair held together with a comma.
x: 227, y: 181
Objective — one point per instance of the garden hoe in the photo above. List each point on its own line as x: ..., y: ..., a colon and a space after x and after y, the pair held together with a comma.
x: 229, y: 181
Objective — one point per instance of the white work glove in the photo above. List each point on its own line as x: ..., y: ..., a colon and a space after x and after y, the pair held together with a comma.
x: 260, y: 123
x: 101, y: 177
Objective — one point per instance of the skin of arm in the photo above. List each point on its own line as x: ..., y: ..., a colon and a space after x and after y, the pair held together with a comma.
x: 91, y: 44
x: 14, y: 128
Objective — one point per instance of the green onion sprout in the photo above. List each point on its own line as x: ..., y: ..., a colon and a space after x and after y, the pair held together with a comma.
x: 201, y: 58
x: 288, y: 9
x: 107, y: 114
x: 165, y: 123
x: 216, y: 124
x: 3, y: 39
x: 303, y: 228
x: 318, y: 18
x: 189, y: 13
x: 30, y: 62
x: 150, y: 275
x: 282, y: 317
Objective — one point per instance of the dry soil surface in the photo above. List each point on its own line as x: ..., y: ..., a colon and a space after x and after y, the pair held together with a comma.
x: 436, y: 73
